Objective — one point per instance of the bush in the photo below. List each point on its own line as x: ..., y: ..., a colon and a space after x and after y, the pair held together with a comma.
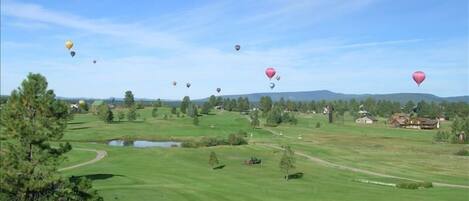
x: 233, y: 139
x: 441, y: 136
x: 415, y: 185
x: 462, y: 152
x: 236, y: 139
x: 140, y: 105
x: 408, y: 185
x: 212, y: 141
x: 195, y: 121
x: 154, y: 112
x: 190, y: 144
x: 243, y: 133
x: 426, y: 184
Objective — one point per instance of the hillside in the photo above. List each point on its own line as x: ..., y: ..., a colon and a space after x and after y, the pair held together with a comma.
x: 329, y: 95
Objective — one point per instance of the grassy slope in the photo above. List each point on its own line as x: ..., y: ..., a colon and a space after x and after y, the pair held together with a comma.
x: 183, y: 174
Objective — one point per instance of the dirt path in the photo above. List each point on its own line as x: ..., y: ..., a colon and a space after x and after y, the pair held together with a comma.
x: 343, y: 167
x: 100, y: 154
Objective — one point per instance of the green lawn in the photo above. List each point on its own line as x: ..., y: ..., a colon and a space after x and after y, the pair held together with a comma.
x: 183, y: 173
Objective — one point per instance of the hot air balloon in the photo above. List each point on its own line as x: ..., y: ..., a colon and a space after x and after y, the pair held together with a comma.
x: 237, y: 47
x: 94, y: 61
x: 418, y: 77
x: 188, y: 85
x: 174, y: 83
x: 72, y: 53
x: 270, y: 72
x: 277, y: 77
x: 272, y: 85
x: 218, y: 90
x: 68, y: 44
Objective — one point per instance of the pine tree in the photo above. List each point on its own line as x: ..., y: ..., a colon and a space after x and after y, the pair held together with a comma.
x: 30, y: 119
x: 129, y: 99
x: 185, y: 104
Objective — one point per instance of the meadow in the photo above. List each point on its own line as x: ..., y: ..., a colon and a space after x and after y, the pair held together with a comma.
x: 129, y: 173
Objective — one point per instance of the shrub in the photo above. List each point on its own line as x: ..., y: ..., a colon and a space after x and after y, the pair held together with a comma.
x: 441, y: 136
x: 462, y: 152
x: 212, y: 141
x: 189, y: 144
x: 415, y: 185
x: 233, y: 139
x: 236, y: 139
x: 140, y: 105
x: 154, y: 112
x: 195, y: 121
x: 408, y: 185
x: 426, y: 184
x: 243, y: 133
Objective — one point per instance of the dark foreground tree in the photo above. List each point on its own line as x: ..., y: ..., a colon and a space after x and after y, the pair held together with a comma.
x: 30, y: 119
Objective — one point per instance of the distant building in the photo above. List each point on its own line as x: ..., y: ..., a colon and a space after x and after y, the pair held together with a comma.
x: 402, y: 120
x: 366, y: 120
x: 74, y: 107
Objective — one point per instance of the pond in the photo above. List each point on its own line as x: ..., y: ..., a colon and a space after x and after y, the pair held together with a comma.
x: 144, y: 143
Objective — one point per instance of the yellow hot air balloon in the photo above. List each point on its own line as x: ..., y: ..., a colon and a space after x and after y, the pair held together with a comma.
x: 68, y: 44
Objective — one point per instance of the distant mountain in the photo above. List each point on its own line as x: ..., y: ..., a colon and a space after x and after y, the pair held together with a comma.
x: 329, y: 95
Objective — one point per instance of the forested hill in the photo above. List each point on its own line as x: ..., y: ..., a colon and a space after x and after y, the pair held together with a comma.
x: 329, y: 95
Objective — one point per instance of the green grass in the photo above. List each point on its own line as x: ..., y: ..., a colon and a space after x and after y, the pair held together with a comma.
x: 183, y: 174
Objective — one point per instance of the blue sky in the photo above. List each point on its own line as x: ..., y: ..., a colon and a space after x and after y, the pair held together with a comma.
x: 348, y: 46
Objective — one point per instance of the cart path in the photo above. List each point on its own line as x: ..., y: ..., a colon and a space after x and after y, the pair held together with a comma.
x: 100, y: 154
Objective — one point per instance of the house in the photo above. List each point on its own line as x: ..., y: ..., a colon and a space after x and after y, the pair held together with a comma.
x: 74, y: 108
x: 95, y: 105
x: 399, y: 120
x: 366, y: 120
x: 402, y: 120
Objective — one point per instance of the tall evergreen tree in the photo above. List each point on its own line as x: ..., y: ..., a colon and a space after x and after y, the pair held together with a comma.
x: 185, y: 104
x: 30, y: 119
x: 129, y: 99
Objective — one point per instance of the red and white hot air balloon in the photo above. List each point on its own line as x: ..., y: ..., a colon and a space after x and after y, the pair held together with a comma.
x: 418, y: 77
x: 270, y: 72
